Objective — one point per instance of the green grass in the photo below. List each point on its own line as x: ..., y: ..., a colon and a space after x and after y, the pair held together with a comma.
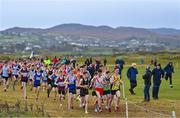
x: 169, y: 98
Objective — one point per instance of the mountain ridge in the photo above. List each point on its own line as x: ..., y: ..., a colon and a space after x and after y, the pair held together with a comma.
x: 78, y: 37
x: 101, y: 31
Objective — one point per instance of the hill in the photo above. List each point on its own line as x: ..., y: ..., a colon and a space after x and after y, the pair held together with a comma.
x: 78, y: 38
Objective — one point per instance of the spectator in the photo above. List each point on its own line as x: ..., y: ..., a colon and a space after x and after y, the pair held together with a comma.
x: 169, y: 69
x: 147, y: 83
x: 105, y: 61
x: 158, y: 74
x: 131, y: 74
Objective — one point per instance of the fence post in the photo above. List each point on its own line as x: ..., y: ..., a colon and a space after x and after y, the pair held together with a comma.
x: 126, y: 108
x: 123, y: 90
x: 68, y: 100
x: 173, y: 114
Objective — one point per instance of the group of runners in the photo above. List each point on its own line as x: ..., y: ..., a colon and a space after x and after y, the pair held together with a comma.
x: 65, y: 78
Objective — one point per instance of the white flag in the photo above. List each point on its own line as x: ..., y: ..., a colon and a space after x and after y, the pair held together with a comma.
x: 32, y: 54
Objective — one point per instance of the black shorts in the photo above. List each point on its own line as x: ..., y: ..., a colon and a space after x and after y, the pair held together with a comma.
x: 15, y: 76
x: 113, y: 92
x: 49, y: 81
x: 61, y: 91
x: 94, y: 93
x: 54, y: 85
x: 6, y: 78
x: 83, y: 92
x: 107, y: 92
x: 168, y: 76
x: 73, y: 91
x: 24, y: 80
x: 78, y: 87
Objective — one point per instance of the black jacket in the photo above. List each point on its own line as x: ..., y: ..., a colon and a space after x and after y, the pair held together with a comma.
x: 147, y: 77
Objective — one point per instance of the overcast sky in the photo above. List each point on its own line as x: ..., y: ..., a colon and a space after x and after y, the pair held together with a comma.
x: 48, y: 13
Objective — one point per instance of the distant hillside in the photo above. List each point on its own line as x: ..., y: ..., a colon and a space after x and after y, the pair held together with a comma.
x: 166, y: 31
x: 105, y: 32
x: 21, y: 30
x: 80, y: 37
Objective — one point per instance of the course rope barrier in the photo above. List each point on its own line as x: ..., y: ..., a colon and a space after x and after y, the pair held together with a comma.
x: 148, y: 110
x: 143, y: 108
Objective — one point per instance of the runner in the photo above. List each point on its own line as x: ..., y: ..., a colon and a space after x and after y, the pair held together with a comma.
x: 31, y: 76
x: 71, y: 81
x: 61, y: 86
x: 15, y: 73
x: 53, y: 82
x: 84, y: 85
x: 24, y: 79
x: 92, y: 86
x: 169, y: 70
x: 115, y: 91
x: 99, y: 84
x: 37, y: 82
x: 79, y: 76
x: 5, y: 75
x: 107, y: 91
x: 50, y: 72
x: 45, y: 78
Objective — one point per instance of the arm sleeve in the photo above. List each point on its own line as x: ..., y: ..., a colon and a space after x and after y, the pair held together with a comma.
x: 162, y: 71
x: 165, y: 69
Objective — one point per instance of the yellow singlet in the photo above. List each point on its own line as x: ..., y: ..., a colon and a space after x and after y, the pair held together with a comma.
x: 116, y: 82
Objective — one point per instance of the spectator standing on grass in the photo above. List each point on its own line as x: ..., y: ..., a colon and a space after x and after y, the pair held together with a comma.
x: 91, y: 70
x: 98, y: 64
x: 154, y: 61
x: 90, y: 60
x: 142, y: 60
x: 147, y: 83
x: 131, y: 74
x: 120, y: 64
x: 105, y: 61
x: 87, y: 62
x: 169, y: 70
x: 158, y: 74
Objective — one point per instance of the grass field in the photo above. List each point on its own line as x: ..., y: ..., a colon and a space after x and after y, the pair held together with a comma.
x: 169, y: 98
